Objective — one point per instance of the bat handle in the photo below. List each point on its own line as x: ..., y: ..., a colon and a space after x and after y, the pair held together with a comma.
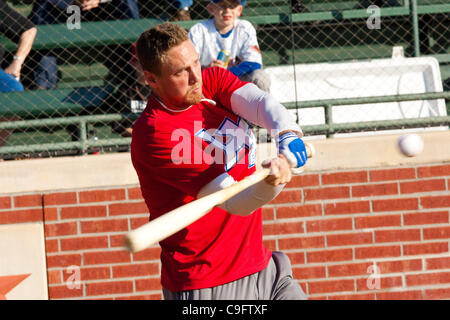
x: 310, y: 150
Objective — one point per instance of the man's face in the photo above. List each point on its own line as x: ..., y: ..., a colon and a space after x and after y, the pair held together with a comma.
x: 179, y: 84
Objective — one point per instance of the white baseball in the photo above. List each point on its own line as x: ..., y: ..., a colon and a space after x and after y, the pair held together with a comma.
x: 410, y: 144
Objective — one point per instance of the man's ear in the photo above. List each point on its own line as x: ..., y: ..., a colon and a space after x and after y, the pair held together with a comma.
x: 150, y: 78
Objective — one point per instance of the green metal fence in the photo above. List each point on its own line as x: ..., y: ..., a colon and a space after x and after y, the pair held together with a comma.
x: 329, y: 61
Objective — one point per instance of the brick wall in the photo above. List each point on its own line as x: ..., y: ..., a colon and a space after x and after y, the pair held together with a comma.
x: 354, y: 234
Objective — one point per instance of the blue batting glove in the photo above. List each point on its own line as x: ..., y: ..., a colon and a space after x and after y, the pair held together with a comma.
x: 293, y: 148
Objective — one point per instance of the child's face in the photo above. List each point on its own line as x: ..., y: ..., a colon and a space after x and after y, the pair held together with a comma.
x: 225, y: 14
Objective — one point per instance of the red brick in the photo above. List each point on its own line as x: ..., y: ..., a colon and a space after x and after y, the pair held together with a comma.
x: 77, y: 244
x: 307, y: 210
x: 437, y: 294
x: 152, y: 253
x: 428, y: 278
x: 435, y: 202
x: 136, y: 270
x: 304, y: 180
x: 116, y: 240
x: 436, y: 233
x: 433, y: 171
x: 392, y: 174
x: 83, y: 212
x: 377, y: 252
x: 5, y: 202
x: 108, y: 225
x: 400, y: 295
x: 31, y: 200
x: 329, y: 255
x: 54, y: 277
x: 422, y: 186
x: 425, y: 248
x: 270, y: 244
x: 127, y: 208
x: 317, y: 298
x: 377, y: 221
x: 283, y: 228
x: 331, y: 286
x: 110, y: 287
x: 308, y: 272
x: 399, y: 266
x: 349, y: 269
x: 385, y: 283
x: 102, y: 195
x: 63, y: 260
x: 438, y: 263
x: 369, y: 190
x: 61, y: 229
x: 62, y: 292
x: 106, y: 257
x: 95, y: 273
x: 148, y: 284
x: 349, y: 239
x: 296, y: 257
x: 135, y: 193
x: 156, y: 296
x: 301, y: 243
x: 288, y: 196
x: 51, y: 246
x: 327, y: 193
x: 364, y: 296
x: 60, y: 198
x: 400, y: 235
x: 329, y: 225
x: 395, y: 204
x: 21, y: 216
x: 50, y: 214
x: 137, y: 222
x: 347, y: 207
x: 344, y: 177
x: 421, y: 218
x: 268, y: 214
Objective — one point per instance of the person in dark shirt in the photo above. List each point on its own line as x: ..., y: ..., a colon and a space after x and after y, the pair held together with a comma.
x: 22, y: 31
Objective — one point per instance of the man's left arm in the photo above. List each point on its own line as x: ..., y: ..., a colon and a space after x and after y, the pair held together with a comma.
x: 262, y: 109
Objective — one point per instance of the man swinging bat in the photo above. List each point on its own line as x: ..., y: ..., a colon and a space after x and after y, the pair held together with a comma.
x: 221, y: 255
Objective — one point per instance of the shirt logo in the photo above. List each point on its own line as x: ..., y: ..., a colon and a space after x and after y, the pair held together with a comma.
x: 232, y: 138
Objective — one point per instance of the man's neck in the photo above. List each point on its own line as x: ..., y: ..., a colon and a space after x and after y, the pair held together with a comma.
x: 169, y: 106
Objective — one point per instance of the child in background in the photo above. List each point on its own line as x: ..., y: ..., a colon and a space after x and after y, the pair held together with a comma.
x: 226, y: 32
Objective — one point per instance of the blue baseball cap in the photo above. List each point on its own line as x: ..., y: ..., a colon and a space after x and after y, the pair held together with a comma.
x: 242, y: 2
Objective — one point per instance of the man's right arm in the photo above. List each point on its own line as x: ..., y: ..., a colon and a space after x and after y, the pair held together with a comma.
x: 255, y: 196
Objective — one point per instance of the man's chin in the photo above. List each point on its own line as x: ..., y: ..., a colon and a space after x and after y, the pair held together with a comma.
x: 193, y: 99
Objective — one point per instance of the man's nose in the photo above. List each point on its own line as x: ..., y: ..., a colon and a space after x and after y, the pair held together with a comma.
x: 194, y: 77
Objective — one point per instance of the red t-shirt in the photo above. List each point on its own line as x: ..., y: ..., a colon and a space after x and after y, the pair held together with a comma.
x: 173, y: 157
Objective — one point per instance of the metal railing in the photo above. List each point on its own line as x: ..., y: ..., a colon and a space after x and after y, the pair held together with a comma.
x: 84, y: 145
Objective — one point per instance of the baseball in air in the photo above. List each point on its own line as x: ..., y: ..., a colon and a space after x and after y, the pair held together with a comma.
x: 410, y: 144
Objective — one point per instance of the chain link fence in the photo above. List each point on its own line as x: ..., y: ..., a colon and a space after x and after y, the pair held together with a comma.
x: 341, y: 66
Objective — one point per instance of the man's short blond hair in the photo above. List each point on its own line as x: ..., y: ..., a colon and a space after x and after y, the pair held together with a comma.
x: 154, y: 43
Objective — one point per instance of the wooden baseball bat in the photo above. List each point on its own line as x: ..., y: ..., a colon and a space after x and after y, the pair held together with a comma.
x: 173, y: 221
